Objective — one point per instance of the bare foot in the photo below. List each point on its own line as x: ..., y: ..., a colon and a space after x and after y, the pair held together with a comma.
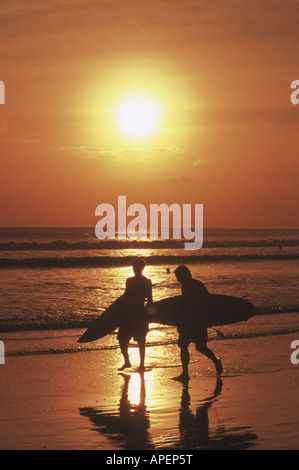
x: 125, y: 366
x: 184, y: 378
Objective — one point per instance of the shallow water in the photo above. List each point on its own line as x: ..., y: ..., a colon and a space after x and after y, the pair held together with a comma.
x: 46, y: 308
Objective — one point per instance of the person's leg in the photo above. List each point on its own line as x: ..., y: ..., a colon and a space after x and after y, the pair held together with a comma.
x: 141, y: 345
x: 201, y: 346
x: 141, y: 330
x: 185, y: 359
x: 123, y: 343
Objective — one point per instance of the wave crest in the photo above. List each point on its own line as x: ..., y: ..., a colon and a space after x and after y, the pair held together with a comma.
x: 58, y: 245
x: 108, y: 261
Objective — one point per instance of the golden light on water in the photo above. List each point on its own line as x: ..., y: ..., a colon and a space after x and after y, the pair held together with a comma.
x: 135, y: 391
x: 138, y: 115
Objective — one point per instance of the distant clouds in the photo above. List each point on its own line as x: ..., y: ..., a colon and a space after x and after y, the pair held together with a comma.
x: 133, y: 154
x: 20, y: 140
x: 197, y: 162
x: 181, y: 180
x: 124, y: 154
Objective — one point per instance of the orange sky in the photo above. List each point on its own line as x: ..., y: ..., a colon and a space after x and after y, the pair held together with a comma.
x: 222, y: 73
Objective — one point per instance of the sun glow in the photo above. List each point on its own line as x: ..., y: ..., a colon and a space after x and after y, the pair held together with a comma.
x: 138, y: 116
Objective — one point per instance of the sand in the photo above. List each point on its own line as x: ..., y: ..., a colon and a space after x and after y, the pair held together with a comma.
x: 80, y: 400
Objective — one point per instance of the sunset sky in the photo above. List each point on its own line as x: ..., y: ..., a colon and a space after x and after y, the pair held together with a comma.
x: 220, y: 73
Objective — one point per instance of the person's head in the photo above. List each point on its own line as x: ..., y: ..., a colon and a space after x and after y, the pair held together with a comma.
x: 182, y: 274
x: 138, y: 265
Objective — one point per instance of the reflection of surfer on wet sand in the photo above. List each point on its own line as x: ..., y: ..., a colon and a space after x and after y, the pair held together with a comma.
x: 128, y: 425
x: 195, y: 432
x: 191, y: 328
x: 129, y: 428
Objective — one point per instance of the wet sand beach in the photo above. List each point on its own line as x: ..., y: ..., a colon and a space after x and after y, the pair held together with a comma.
x: 80, y: 400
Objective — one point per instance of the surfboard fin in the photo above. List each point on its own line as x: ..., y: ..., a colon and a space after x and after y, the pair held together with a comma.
x: 219, y: 333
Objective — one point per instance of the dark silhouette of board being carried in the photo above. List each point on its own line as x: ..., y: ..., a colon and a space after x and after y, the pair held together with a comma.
x: 128, y: 314
x: 192, y: 313
x: 221, y: 310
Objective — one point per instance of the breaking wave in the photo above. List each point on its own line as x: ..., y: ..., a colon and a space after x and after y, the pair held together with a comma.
x: 139, y: 244
x: 110, y: 261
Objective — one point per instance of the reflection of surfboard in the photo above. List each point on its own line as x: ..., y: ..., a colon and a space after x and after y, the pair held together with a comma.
x: 221, y: 310
x: 106, y: 323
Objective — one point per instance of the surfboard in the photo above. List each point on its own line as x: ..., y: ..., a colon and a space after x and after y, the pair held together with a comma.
x: 221, y: 310
x: 106, y: 323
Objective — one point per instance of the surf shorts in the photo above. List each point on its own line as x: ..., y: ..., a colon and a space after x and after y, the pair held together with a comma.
x: 138, y: 333
x: 186, y: 337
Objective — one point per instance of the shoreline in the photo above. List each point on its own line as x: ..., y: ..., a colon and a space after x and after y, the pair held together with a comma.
x: 48, y: 341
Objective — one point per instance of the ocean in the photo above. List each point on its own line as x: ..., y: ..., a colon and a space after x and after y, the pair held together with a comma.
x: 55, y: 281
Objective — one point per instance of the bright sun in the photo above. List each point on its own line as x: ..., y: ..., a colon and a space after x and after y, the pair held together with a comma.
x: 138, y: 115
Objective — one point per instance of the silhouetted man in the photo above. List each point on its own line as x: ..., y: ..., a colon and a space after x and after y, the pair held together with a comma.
x: 192, y: 327
x: 134, y: 324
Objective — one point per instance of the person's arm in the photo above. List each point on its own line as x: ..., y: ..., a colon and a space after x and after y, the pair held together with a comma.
x: 197, y: 289
x: 203, y: 295
x: 195, y: 292
x: 204, y: 291
x: 126, y: 293
x: 150, y: 293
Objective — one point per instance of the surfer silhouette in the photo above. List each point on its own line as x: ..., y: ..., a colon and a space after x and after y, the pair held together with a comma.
x: 191, y: 327
x: 135, y: 324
